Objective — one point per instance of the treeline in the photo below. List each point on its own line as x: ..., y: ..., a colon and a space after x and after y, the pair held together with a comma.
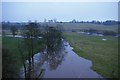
x: 107, y: 22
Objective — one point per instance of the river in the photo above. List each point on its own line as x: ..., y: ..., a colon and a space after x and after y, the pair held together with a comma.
x: 65, y: 64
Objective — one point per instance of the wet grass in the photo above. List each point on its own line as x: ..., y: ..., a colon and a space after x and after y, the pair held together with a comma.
x: 103, y: 54
x: 11, y: 44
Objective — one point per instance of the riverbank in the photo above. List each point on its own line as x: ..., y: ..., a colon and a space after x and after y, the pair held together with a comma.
x: 103, y: 54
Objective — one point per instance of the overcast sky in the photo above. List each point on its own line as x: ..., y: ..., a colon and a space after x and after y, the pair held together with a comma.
x: 82, y: 11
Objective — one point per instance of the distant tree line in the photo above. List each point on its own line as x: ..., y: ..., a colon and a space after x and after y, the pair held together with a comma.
x: 107, y: 22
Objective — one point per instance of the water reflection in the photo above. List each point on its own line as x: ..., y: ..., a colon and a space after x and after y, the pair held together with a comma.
x: 65, y: 63
x: 72, y: 66
x: 43, y: 60
x: 56, y: 59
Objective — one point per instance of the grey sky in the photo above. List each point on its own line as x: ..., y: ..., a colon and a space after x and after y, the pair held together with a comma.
x: 82, y: 11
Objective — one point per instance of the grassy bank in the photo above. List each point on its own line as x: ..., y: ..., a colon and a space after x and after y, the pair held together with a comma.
x: 11, y: 56
x: 103, y: 54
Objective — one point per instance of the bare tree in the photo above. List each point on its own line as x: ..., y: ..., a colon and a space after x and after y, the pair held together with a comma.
x: 31, y: 35
x: 13, y: 30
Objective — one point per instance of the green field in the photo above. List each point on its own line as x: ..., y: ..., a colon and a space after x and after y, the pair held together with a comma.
x: 89, y: 25
x: 103, y: 54
x: 14, y: 63
x: 77, y: 26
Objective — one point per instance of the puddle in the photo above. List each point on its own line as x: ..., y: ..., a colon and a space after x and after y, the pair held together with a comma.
x: 104, y: 39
